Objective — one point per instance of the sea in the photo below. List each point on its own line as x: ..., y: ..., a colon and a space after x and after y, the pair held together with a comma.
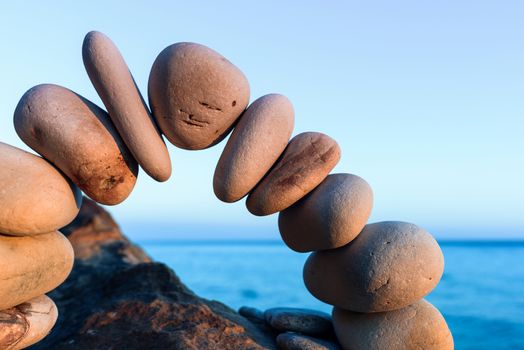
x: 481, y: 294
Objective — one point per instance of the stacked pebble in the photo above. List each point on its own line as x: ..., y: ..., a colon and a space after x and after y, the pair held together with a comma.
x: 375, y: 275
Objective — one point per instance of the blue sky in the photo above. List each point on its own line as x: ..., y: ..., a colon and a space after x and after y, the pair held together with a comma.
x: 425, y: 98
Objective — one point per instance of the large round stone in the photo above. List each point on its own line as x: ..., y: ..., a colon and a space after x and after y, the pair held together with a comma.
x: 31, y: 266
x: 388, y: 266
x: 116, y: 87
x: 330, y: 216
x: 257, y: 141
x: 35, y: 197
x: 414, y: 327
x: 79, y: 138
x: 196, y: 95
x: 306, y: 161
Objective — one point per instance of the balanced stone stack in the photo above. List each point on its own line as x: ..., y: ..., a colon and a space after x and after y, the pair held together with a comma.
x: 35, y: 201
x: 375, y: 275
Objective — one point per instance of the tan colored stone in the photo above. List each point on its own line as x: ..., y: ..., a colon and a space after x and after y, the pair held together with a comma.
x: 330, y: 216
x: 414, y: 327
x: 388, y: 266
x: 306, y: 161
x: 80, y: 139
x: 27, y: 323
x: 116, y: 87
x: 196, y: 95
x: 34, y: 196
x: 257, y: 141
x: 31, y: 266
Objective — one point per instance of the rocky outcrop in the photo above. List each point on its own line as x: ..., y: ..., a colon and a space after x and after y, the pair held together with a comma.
x: 118, y: 298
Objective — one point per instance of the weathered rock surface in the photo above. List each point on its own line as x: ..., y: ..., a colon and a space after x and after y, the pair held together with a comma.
x: 117, y: 298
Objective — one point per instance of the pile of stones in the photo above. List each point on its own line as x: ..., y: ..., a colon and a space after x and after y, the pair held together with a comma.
x: 35, y: 201
x: 374, y: 275
x: 295, y: 329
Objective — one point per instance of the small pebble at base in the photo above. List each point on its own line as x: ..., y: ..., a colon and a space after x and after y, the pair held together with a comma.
x: 294, y: 341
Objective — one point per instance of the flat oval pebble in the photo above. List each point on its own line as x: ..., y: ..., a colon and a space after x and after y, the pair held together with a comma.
x: 196, y: 95
x: 257, y: 141
x: 252, y: 313
x: 79, y: 138
x: 116, y: 87
x: 417, y: 326
x: 388, y: 266
x: 306, y: 161
x: 330, y: 216
x: 27, y: 323
x: 35, y: 197
x: 295, y: 341
x: 31, y: 266
x: 299, y: 320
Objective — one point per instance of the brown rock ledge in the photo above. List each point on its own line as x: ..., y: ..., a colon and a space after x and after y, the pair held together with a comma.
x: 118, y: 298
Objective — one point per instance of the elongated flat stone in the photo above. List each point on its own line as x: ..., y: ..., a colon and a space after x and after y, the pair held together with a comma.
x: 257, y: 141
x: 116, y: 87
x: 252, y: 313
x: 299, y: 320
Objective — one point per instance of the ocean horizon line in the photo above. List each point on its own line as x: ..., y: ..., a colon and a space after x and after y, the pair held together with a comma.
x: 270, y: 241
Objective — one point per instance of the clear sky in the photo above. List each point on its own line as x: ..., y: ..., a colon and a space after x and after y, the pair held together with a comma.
x: 426, y: 99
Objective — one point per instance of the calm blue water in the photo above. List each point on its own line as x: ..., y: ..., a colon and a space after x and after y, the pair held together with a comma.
x: 481, y: 293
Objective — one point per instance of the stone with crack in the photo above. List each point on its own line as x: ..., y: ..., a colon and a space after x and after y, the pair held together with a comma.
x: 196, y: 95
x: 306, y: 161
x: 27, y: 323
